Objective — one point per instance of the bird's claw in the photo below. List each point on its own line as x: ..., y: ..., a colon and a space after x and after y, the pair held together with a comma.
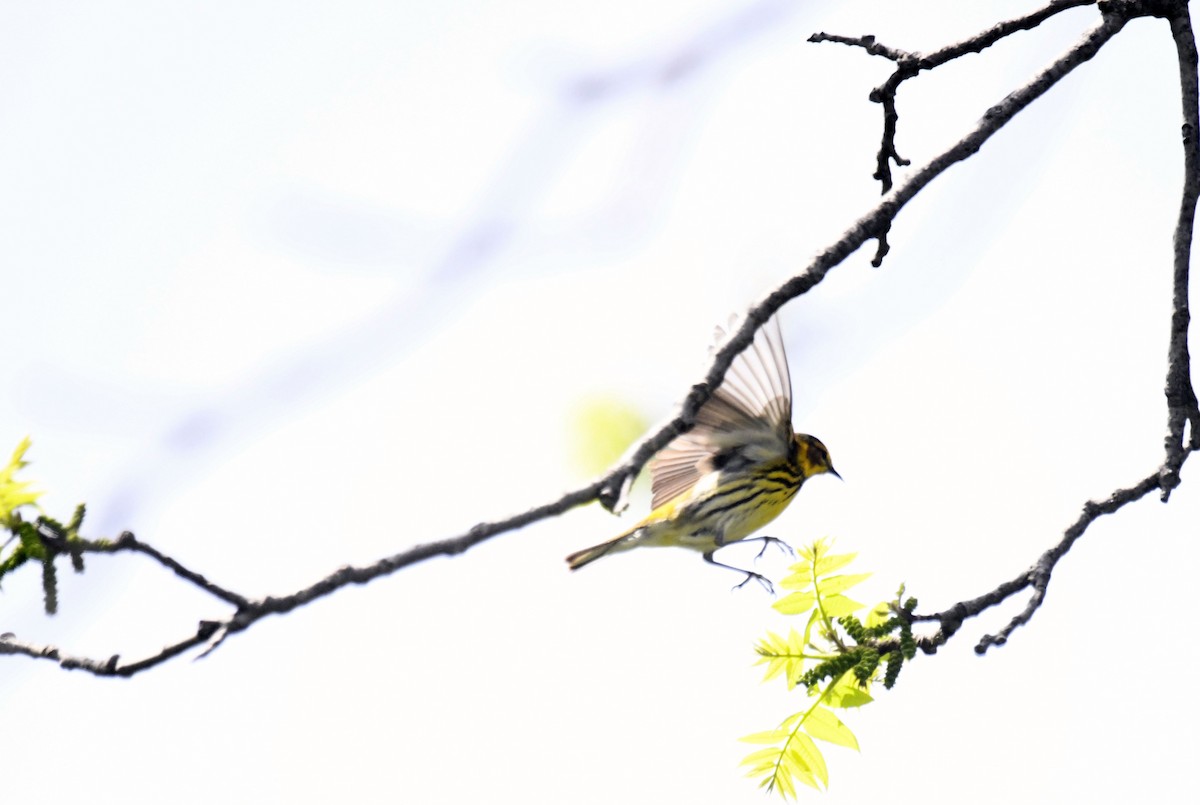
x: 768, y: 541
x: 760, y: 578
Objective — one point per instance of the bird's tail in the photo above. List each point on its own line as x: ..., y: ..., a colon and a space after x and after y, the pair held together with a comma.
x: 588, y: 555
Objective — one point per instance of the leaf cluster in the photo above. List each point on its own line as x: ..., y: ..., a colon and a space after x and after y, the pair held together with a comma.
x: 835, y: 659
x: 39, y: 540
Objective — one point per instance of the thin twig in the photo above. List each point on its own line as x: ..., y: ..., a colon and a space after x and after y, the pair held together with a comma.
x: 866, y: 42
x: 910, y: 63
x: 985, y: 39
x: 128, y: 542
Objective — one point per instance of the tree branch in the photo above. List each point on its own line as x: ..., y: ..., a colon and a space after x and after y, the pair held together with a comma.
x: 1181, y: 394
x: 1037, y: 577
x: 128, y: 542
x: 872, y: 225
x: 909, y: 64
x: 110, y: 667
x: 1182, y: 409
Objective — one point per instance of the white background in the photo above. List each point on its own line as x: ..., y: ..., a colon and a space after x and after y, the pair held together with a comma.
x: 295, y: 285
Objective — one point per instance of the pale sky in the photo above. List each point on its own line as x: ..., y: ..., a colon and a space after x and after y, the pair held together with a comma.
x: 300, y: 285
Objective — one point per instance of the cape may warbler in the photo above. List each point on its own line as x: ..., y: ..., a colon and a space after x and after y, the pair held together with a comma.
x: 735, y: 470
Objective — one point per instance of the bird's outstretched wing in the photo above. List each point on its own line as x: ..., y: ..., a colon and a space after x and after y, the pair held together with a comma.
x: 748, y: 419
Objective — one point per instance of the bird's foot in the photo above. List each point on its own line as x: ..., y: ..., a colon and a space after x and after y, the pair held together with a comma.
x: 752, y: 576
x: 768, y: 541
x: 749, y: 574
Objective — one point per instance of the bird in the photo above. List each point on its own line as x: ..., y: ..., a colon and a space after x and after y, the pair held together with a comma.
x: 739, y: 466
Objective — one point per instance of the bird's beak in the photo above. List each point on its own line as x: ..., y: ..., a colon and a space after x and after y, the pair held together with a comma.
x: 835, y: 473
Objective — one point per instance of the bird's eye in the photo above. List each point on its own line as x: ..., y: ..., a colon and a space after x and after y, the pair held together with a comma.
x: 817, y: 455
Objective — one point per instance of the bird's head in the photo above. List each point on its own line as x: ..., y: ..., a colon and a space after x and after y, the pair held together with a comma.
x: 812, y: 457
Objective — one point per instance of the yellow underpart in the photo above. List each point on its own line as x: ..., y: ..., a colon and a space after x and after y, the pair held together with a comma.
x: 719, y: 510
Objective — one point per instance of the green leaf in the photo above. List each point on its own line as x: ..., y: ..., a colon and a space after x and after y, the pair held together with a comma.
x: 823, y: 725
x: 14, y: 493
x: 813, y: 620
x: 17, y: 461
x: 771, y: 650
x: 846, y: 692
x: 879, y: 615
x: 773, y: 737
x: 795, y: 603
x: 756, y: 757
x: 781, y: 656
x: 812, y: 553
x: 798, y: 760
x: 833, y: 658
x: 799, y: 579
x: 803, y: 758
x: 783, y: 780
x: 827, y: 564
x: 775, y: 666
x: 836, y: 584
x: 837, y: 605
x: 762, y: 760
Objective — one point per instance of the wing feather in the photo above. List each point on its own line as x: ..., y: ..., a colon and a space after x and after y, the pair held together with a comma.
x: 752, y: 407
